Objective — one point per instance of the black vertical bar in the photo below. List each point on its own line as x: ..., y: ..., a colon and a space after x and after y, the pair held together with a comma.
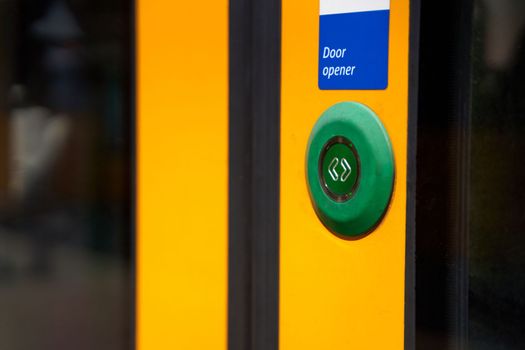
x: 442, y: 170
x: 255, y: 30
x: 410, y: 260
x: 240, y: 153
x: 266, y: 57
x: 133, y: 166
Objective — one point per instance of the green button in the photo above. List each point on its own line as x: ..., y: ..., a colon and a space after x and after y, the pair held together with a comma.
x: 339, y: 169
x: 350, y: 169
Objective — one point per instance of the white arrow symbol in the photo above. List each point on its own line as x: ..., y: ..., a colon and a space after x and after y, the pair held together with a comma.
x: 331, y: 169
x: 347, y: 170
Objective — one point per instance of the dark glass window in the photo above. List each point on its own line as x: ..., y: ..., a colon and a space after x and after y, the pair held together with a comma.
x: 65, y: 174
x: 470, y: 209
x: 496, y: 250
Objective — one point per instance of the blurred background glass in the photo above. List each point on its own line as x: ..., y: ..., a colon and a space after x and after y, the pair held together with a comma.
x: 65, y: 174
x: 496, y: 250
x: 470, y: 200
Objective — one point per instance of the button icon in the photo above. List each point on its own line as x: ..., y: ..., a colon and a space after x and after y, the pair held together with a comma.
x: 338, y: 167
x: 347, y: 169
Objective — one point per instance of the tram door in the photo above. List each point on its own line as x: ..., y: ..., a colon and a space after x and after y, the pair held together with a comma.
x: 344, y: 107
x: 272, y: 174
x: 182, y: 188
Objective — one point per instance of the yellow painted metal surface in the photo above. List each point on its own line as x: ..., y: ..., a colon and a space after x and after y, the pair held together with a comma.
x: 182, y: 88
x: 337, y: 294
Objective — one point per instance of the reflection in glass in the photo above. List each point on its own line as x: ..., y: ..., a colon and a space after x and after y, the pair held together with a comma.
x: 65, y: 241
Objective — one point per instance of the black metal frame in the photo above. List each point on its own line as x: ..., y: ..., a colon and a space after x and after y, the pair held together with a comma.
x: 254, y: 149
x: 410, y: 249
x: 133, y: 51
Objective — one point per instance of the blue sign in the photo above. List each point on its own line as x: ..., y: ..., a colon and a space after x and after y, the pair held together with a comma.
x: 353, y: 44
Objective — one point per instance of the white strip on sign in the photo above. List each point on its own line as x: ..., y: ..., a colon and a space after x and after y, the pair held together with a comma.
x: 331, y: 7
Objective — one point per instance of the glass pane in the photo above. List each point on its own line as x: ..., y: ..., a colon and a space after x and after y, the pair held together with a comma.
x: 65, y: 234
x: 497, y: 174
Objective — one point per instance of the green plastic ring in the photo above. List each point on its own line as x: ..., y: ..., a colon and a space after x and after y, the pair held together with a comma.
x: 359, y: 211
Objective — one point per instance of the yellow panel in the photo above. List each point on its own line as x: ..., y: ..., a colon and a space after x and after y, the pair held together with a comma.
x: 182, y: 174
x: 338, y: 294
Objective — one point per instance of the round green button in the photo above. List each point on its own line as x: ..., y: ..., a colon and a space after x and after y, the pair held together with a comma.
x: 350, y: 169
x: 339, y: 168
